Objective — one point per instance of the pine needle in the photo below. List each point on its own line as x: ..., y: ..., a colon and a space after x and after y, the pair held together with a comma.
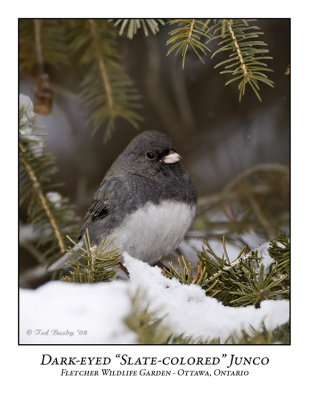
x: 245, y: 55
x: 190, y: 34
x: 93, y: 263
x: 106, y: 89
x: 49, y: 213
x: 244, y: 281
x: 130, y: 27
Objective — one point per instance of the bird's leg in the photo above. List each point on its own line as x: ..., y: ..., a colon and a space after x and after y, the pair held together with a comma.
x: 162, y: 266
x: 197, y: 275
x: 124, y: 269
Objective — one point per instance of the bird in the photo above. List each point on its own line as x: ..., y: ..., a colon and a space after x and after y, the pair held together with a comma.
x: 146, y: 202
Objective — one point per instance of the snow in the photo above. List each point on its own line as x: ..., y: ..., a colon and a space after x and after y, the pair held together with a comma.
x: 187, y: 309
x: 27, y: 117
x: 54, y: 197
x: 28, y: 126
x: 194, y: 244
x: 267, y: 260
x: 64, y: 311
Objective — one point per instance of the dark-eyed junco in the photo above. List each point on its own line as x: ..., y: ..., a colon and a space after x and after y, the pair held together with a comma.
x: 146, y: 201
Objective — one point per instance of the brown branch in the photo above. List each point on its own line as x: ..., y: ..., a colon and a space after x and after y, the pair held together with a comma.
x: 103, y: 70
x: 242, y: 62
x: 190, y: 32
x: 44, y: 203
x: 38, y: 44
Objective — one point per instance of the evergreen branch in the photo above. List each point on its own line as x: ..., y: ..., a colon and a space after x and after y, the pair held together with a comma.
x: 246, y: 57
x: 257, y: 285
x: 42, y: 42
x: 107, y: 91
x: 50, y: 215
x: 38, y: 43
x: 184, y: 272
x: 144, y: 323
x: 37, y: 187
x: 188, y: 35
x: 152, y: 329
x: 244, y: 281
x: 93, y: 263
x: 247, y: 273
x: 239, y: 53
x: 131, y: 26
x: 279, y: 250
x: 279, y: 335
x: 103, y: 70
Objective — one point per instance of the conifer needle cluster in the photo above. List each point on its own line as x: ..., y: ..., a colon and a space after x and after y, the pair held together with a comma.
x: 107, y: 91
x: 91, y: 263
x: 50, y: 214
x: 241, y: 282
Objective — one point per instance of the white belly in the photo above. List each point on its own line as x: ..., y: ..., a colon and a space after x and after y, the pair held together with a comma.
x: 154, y: 231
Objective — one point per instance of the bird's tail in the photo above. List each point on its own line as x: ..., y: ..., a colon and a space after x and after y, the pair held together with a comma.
x: 69, y: 257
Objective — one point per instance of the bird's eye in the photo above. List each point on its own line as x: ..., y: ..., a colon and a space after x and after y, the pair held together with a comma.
x: 150, y: 155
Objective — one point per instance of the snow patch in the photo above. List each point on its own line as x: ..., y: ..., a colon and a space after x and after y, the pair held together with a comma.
x: 60, y: 308
x: 26, y: 124
x: 188, y: 310
x: 54, y: 197
x: 93, y: 313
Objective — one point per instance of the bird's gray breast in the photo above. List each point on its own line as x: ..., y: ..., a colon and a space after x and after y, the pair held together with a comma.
x: 154, y: 230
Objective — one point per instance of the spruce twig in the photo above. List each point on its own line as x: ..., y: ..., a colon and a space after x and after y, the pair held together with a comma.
x: 188, y: 35
x: 106, y: 89
x: 246, y: 273
x: 279, y: 250
x: 257, y: 285
x: 38, y: 44
x: 132, y: 26
x: 42, y: 42
x: 243, y: 281
x: 92, y: 263
x: 148, y: 328
x: 103, y: 70
x: 279, y: 335
x: 37, y: 187
x: 152, y: 329
x: 246, y: 54
x: 49, y: 213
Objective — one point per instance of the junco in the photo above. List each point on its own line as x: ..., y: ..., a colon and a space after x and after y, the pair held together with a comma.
x: 146, y: 201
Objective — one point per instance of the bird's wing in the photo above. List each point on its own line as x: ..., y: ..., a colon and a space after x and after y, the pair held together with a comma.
x: 106, y: 198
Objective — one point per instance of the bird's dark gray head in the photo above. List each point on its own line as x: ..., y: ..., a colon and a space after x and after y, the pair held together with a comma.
x: 148, y: 153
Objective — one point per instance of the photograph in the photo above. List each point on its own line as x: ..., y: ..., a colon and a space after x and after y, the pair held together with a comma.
x: 154, y: 184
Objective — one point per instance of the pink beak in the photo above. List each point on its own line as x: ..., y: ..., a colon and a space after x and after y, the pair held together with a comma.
x: 171, y: 158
